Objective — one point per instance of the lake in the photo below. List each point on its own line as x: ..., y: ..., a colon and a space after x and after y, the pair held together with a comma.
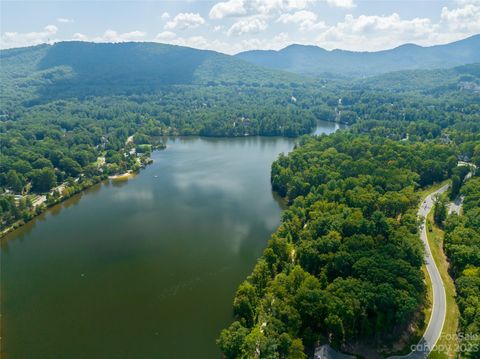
x: 147, y: 267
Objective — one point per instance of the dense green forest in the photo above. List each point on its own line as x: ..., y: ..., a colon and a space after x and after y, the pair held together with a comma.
x: 344, y: 264
x: 462, y: 246
x: 67, y: 112
x: 79, y: 69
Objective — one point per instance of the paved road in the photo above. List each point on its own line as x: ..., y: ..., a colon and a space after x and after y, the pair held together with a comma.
x: 435, y: 325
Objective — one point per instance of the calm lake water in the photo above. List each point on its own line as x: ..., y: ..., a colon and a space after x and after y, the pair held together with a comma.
x: 145, y: 268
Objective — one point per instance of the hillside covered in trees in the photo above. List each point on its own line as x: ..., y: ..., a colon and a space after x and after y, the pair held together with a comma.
x: 462, y: 246
x: 313, y: 60
x: 81, y: 69
x: 67, y: 110
x: 344, y: 264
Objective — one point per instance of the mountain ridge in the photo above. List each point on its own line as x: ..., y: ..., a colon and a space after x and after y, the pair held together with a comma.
x: 314, y: 60
x: 78, y: 69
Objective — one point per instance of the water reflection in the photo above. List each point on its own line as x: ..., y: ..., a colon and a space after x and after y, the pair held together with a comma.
x: 139, y: 268
x: 327, y: 128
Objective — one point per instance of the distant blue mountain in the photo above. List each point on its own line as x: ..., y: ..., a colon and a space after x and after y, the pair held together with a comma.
x: 313, y: 60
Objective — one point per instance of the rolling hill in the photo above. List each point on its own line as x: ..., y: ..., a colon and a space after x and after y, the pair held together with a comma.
x: 313, y: 60
x: 76, y: 69
x: 464, y: 78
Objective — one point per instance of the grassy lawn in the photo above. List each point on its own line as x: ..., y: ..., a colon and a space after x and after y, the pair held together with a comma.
x: 427, y: 309
x: 448, y: 341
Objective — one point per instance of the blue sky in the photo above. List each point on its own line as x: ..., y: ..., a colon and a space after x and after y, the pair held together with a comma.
x: 231, y: 26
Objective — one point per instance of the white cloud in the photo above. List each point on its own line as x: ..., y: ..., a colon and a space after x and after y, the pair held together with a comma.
x: 463, y: 2
x: 372, y: 32
x: 15, y: 39
x: 297, y: 17
x: 64, y: 20
x: 184, y: 21
x: 237, y: 8
x: 51, y: 29
x: 272, y: 6
x: 251, y: 25
x: 464, y: 19
x: 165, y: 36
x: 297, y: 4
x: 198, y: 42
x: 346, y: 4
x: 461, y: 18
x: 306, y: 19
x: 80, y: 37
x: 165, y: 16
x: 367, y: 24
x: 112, y: 36
x: 227, y: 8
x: 264, y: 7
x: 277, y: 42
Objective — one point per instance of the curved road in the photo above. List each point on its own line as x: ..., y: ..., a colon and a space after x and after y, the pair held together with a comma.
x: 439, y: 304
